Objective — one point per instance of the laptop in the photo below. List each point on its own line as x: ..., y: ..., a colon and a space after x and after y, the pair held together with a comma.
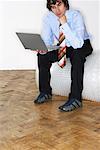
x: 34, y: 42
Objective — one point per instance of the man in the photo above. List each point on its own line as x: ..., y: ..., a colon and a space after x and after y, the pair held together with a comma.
x: 61, y: 18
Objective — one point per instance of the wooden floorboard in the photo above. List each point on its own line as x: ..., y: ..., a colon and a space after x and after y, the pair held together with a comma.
x: 26, y: 126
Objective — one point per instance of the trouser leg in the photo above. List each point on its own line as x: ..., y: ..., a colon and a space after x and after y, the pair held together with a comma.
x: 78, y: 58
x: 44, y: 64
x: 44, y: 73
x: 77, y: 72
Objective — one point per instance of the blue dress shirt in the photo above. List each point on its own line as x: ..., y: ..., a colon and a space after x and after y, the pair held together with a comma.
x: 74, y: 29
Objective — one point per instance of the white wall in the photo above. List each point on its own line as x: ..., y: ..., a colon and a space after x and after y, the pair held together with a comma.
x: 25, y: 16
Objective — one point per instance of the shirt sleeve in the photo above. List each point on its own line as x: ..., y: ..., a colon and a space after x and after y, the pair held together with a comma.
x: 46, y: 32
x: 75, y: 34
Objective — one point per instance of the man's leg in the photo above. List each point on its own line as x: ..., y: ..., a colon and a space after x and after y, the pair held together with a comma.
x: 44, y: 74
x: 77, y: 72
x: 77, y: 58
x: 44, y: 64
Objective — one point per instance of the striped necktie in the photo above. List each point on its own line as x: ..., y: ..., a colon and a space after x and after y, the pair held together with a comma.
x: 62, y: 50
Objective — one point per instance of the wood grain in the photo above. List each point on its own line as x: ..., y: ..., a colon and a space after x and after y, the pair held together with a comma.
x: 26, y: 126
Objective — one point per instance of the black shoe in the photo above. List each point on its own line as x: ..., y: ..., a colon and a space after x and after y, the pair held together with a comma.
x: 43, y: 98
x: 70, y: 105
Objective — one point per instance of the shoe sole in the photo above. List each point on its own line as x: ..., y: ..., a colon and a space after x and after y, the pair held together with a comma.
x: 64, y: 110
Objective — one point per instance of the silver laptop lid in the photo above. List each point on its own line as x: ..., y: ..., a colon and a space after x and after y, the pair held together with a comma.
x: 32, y: 41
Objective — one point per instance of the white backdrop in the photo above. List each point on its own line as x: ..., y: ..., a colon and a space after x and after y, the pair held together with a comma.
x: 25, y: 16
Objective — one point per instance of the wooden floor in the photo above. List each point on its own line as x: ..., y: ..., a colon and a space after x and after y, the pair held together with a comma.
x: 26, y: 126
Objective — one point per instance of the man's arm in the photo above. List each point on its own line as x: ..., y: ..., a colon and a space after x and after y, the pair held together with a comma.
x: 76, y: 36
x: 46, y: 33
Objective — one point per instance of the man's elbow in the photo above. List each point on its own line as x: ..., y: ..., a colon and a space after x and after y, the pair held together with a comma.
x: 78, y: 44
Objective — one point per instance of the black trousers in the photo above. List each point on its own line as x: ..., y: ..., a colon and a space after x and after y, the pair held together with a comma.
x: 77, y: 59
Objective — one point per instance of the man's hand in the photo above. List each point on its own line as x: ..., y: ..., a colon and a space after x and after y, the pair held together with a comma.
x: 63, y: 19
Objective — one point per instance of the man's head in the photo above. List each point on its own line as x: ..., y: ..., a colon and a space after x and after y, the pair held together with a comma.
x: 58, y: 7
x: 53, y: 2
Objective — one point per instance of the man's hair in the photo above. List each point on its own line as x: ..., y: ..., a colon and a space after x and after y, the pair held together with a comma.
x: 50, y: 2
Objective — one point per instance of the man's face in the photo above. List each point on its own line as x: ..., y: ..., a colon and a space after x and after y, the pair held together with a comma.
x: 59, y: 8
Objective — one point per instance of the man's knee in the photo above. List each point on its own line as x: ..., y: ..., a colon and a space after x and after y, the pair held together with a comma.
x: 43, y: 61
x: 77, y: 58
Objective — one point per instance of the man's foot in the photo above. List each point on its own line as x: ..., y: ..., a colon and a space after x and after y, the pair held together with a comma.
x: 70, y: 105
x: 43, y: 98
